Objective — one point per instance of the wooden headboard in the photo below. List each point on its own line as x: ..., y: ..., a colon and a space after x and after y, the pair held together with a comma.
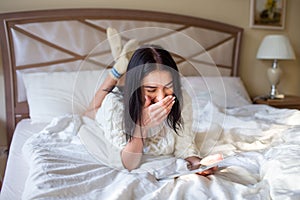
x: 61, y: 40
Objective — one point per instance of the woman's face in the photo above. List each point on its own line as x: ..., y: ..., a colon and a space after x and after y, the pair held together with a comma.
x: 157, y: 85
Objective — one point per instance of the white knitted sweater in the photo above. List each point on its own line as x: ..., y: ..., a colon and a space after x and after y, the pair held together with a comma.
x: 162, y: 140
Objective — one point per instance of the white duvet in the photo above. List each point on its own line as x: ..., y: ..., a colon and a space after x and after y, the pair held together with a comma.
x: 266, y: 165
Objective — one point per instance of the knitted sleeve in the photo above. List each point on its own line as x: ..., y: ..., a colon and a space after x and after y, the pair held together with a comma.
x: 110, y: 117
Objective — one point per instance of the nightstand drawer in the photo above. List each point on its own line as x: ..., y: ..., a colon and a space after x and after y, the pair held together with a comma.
x: 290, y: 102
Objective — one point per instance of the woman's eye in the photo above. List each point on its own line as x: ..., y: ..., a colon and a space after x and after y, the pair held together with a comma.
x: 150, y: 91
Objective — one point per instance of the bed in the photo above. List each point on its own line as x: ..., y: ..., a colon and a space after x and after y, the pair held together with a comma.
x: 54, y: 61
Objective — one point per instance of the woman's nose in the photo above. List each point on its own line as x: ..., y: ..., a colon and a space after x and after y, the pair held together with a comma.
x: 160, y: 95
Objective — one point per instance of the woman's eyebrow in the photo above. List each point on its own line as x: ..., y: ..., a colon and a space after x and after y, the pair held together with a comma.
x: 168, y: 84
x: 149, y: 86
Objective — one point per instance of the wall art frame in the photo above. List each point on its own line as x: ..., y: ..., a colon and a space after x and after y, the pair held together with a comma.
x: 268, y: 14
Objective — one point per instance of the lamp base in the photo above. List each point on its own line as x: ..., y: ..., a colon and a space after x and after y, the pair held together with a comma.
x: 274, y: 74
x: 277, y: 96
x: 274, y: 93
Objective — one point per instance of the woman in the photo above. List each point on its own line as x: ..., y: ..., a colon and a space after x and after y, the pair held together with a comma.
x: 145, y: 115
x: 152, y: 109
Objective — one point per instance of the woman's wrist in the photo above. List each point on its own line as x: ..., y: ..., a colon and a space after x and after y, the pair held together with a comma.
x: 132, y: 153
x: 140, y: 132
x: 139, y: 142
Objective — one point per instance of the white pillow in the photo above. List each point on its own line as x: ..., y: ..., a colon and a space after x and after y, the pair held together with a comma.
x: 225, y: 92
x: 51, y: 94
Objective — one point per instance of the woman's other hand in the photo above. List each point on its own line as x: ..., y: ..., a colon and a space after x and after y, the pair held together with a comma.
x: 195, y: 162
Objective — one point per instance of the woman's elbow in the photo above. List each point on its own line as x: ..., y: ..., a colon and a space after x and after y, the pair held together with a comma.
x: 131, y: 167
x: 130, y: 162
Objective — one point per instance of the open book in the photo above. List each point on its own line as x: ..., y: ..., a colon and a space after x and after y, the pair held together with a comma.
x: 199, y: 170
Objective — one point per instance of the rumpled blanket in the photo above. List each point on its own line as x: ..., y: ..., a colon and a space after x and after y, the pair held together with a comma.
x: 265, y: 142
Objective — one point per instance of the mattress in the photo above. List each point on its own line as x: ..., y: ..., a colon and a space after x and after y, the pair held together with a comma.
x: 265, y: 142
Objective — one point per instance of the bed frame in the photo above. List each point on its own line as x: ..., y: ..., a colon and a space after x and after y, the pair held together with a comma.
x: 56, y: 40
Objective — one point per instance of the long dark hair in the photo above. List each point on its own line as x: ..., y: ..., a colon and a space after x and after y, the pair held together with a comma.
x: 145, y: 60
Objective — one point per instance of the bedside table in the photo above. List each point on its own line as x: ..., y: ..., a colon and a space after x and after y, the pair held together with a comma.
x: 289, y: 101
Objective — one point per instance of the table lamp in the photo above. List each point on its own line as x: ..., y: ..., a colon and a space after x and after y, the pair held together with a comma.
x: 275, y: 47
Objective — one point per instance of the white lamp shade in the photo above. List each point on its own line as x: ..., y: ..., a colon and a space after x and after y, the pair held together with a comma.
x: 275, y: 47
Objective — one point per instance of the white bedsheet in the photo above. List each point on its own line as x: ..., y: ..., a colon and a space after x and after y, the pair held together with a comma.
x: 17, y: 168
x: 265, y: 140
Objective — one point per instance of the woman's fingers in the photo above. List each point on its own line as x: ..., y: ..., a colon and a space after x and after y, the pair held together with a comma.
x: 206, y: 172
x: 211, y: 159
x: 165, y: 104
x: 157, y: 112
x: 209, y: 171
x: 161, y: 109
